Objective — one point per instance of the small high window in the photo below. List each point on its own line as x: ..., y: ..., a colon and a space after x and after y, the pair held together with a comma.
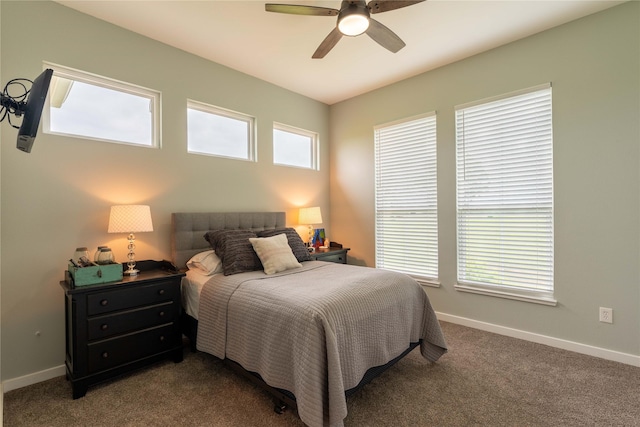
x: 219, y: 132
x: 295, y: 147
x: 85, y: 105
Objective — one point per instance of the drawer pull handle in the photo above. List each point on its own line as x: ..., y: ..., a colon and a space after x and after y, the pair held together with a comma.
x: 104, y: 302
x: 104, y: 327
x: 161, y: 338
x: 105, y: 355
x: 161, y: 314
x: 161, y: 292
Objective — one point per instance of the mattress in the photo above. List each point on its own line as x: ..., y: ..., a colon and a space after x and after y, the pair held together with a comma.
x: 192, y: 285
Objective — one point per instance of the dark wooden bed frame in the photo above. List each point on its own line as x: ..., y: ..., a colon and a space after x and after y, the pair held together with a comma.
x: 187, y: 239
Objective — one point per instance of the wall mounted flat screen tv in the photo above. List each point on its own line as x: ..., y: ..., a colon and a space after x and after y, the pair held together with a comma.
x: 33, y: 111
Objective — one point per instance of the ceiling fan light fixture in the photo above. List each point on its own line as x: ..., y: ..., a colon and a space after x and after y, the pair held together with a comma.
x: 353, y: 21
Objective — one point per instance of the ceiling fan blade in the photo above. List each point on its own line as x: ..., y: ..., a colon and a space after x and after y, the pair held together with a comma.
x: 300, y: 10
x: 327, y: 44
x: 384, y: 36
x: 379, y: 6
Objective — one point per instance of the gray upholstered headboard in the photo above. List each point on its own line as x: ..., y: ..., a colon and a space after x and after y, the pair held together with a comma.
x: 188, y: 229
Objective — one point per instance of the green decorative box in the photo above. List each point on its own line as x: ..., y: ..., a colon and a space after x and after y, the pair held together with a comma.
x: 84, y: 276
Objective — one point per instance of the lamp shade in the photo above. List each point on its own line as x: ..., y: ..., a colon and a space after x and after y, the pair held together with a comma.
x: 130, y: 219
x: 310, y: 215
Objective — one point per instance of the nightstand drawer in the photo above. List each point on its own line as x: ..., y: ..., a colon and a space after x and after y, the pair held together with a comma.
x: 122, y: 299
x: 336, y: 255
x: 132, y: 320
x: 113, y: 352
x: 340, y: 258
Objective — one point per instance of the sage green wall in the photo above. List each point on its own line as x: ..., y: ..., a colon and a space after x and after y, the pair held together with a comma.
x: 593, y: 65
x: 58, y: 197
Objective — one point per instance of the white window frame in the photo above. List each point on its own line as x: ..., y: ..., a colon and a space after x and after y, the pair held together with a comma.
x: 153, y: 96
x: 250, y: 121
x: 504, y: 196
x: 406, y: 197
x: 313, y: 142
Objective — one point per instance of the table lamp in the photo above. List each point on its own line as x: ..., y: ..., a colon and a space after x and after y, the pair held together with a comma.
x: 310, y: 216
x: 130, y: 219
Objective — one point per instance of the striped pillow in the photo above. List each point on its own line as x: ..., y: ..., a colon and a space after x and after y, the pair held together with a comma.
x: 235, y: 250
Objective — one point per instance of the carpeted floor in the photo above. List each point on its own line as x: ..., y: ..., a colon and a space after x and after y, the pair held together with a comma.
x: 484, y: 380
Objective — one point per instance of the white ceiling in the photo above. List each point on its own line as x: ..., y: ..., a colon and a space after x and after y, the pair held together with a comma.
x: 277, y: 47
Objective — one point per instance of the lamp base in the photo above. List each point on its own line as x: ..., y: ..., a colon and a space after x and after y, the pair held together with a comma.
x: 131, y: 272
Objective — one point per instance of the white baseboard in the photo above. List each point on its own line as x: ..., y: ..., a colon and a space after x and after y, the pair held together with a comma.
x: 34, y: 378
x: 616, y: 356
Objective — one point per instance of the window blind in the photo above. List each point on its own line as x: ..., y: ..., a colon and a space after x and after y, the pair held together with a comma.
x: 406, y: 197
x: 504, y: 156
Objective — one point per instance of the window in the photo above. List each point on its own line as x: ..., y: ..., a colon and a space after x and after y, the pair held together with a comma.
x: 406, y: 198
x: 218, y: 132
x: 504, y: 159
x: 294, y: 147
x: 87, y: 106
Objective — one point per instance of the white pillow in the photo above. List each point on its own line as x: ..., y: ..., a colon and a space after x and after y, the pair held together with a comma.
x: 207, y: 262
x: 274, y: 253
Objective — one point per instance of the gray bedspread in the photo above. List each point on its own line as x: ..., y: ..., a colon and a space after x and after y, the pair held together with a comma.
x: 316, y: 330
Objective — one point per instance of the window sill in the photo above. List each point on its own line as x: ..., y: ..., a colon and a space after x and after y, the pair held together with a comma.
x: 532, y: 297
x: 431, y: 283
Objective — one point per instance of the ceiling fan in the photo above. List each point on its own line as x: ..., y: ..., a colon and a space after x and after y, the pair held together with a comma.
x: 353, y: 20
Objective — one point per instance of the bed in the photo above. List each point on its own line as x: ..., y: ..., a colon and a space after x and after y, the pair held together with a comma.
x: 310, y: 332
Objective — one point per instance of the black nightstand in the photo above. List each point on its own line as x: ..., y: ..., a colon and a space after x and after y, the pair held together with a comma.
x: 113, y: 328
x: 337, y: 255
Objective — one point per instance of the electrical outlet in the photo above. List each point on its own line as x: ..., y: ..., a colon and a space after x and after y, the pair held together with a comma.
x: 606, y: 315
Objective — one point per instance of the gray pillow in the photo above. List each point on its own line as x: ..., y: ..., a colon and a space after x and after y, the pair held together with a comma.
x: 235, y: 250
x: 295, y: 242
